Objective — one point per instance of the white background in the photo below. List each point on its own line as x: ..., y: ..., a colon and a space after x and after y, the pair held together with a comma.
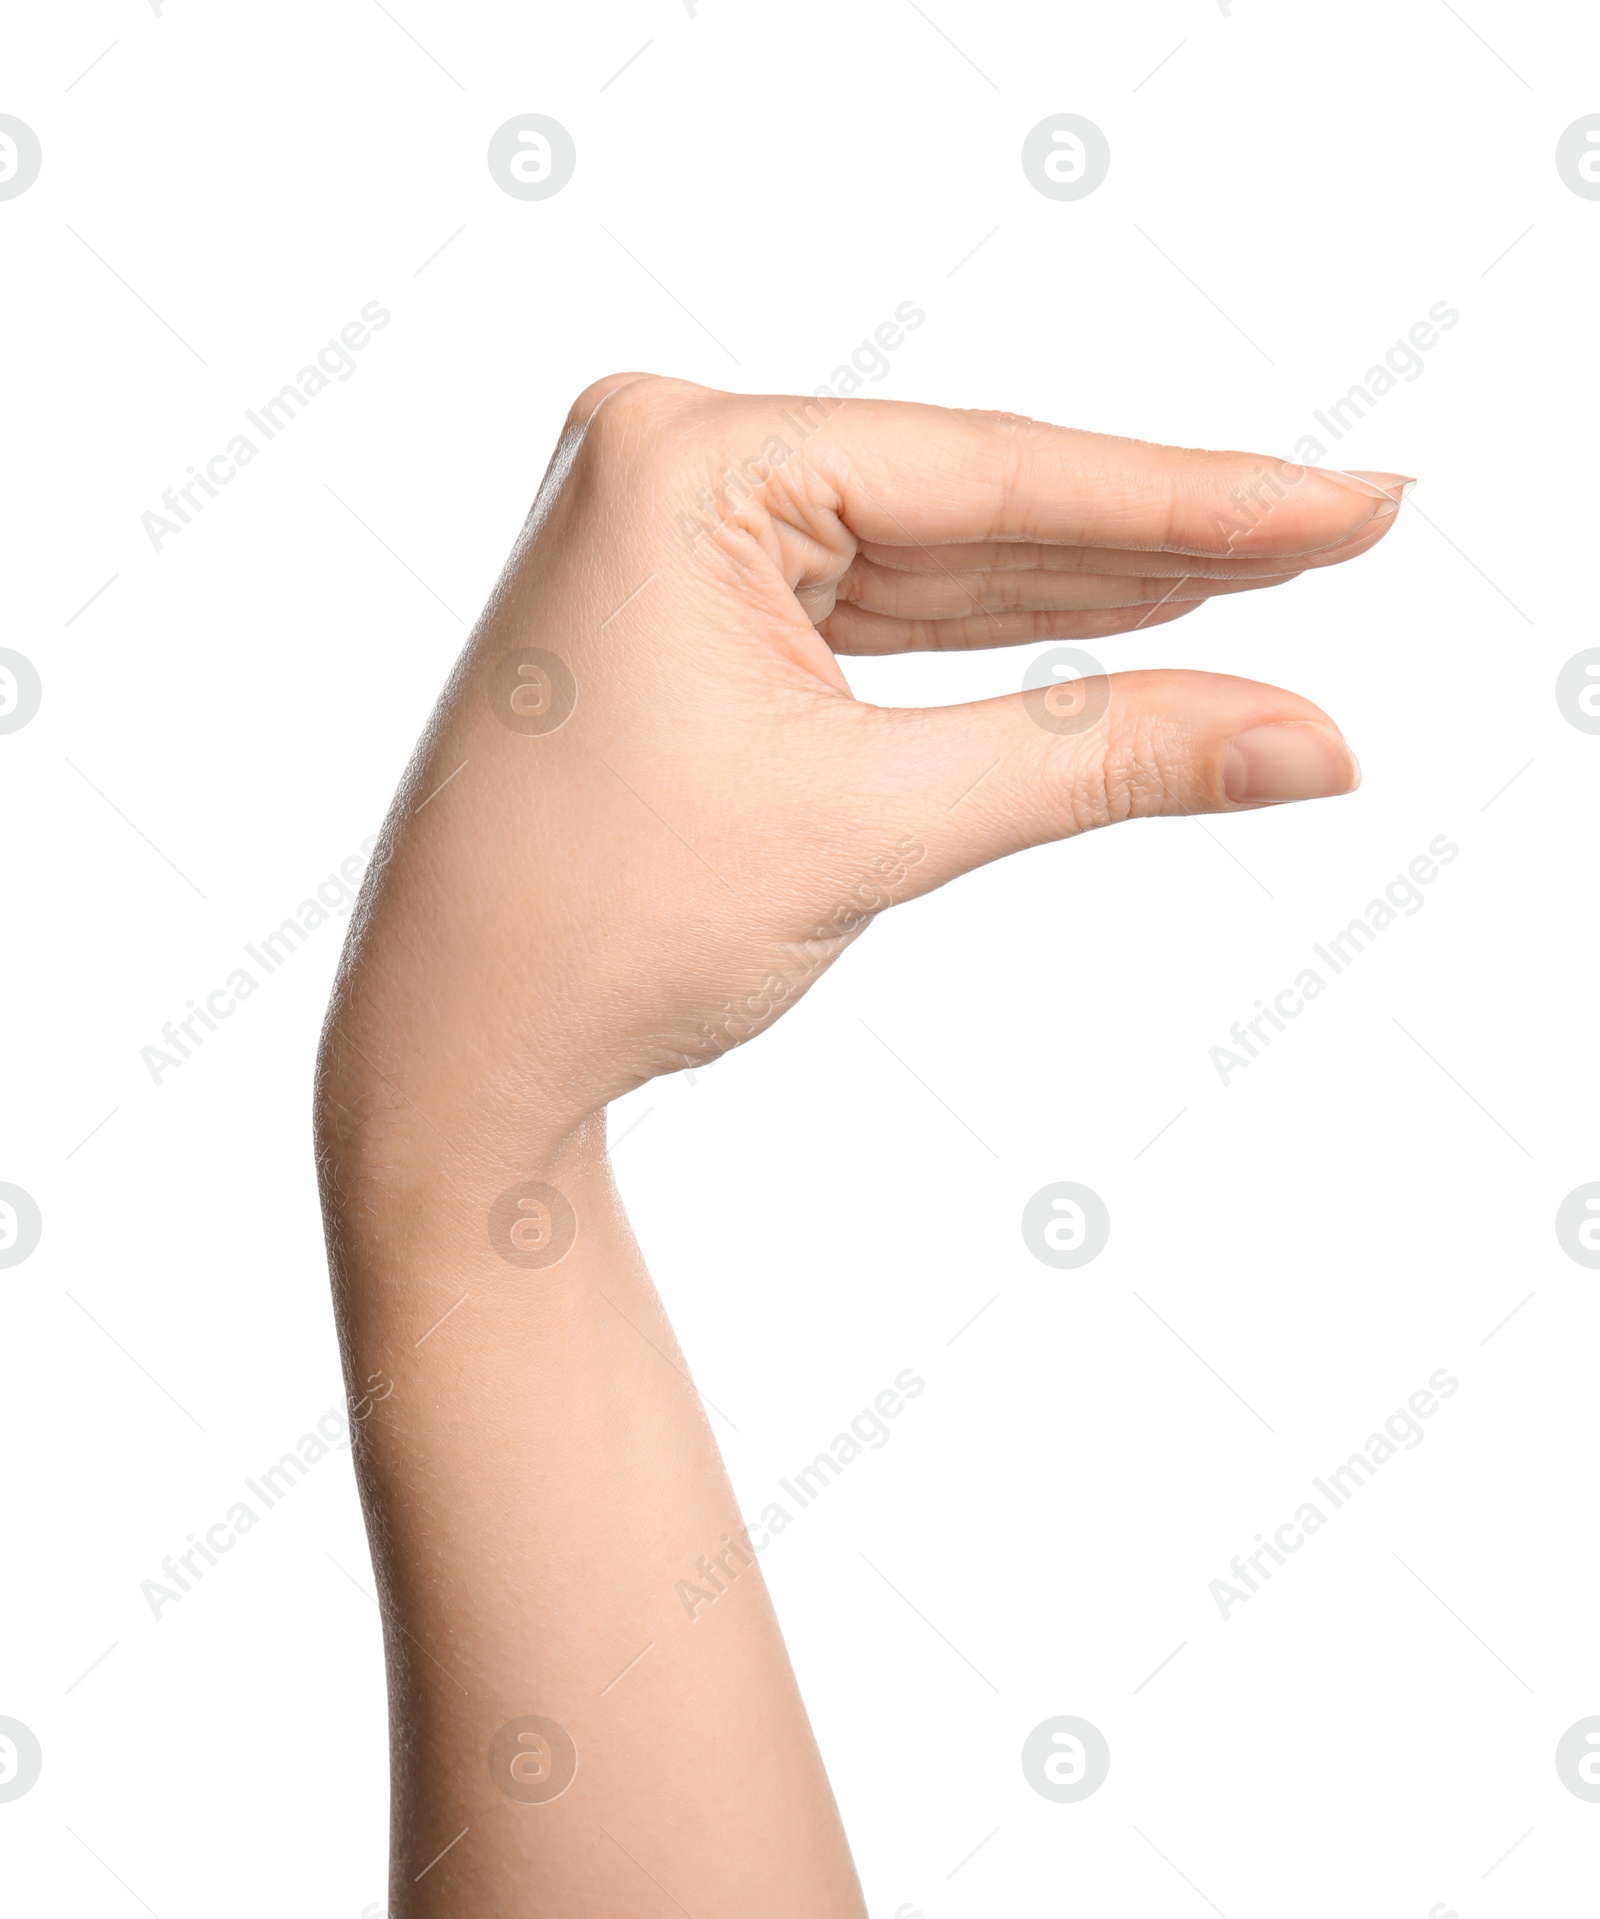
x: 1290, y: 1259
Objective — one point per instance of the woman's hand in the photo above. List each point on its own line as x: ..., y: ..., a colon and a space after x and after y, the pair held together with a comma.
x: 648, y: 811
x: 646, y: 815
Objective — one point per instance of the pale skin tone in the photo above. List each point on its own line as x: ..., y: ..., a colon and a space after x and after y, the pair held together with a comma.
x: 608, y: 890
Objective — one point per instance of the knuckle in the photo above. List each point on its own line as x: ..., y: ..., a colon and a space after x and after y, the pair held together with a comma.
x: 1139, y: 771
x: 599, y: 393
x: 629, y: 416
x: 1092, y: 796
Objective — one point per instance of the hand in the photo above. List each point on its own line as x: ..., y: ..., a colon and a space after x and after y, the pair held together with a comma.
x: 661, y: 825
x: 646, y: 815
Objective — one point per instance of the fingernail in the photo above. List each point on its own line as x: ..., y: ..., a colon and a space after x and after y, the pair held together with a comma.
x: 1291, y: 761
x: 1391, y: 488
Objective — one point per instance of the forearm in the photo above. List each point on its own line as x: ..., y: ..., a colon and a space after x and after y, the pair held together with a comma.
x: 538, y: 1481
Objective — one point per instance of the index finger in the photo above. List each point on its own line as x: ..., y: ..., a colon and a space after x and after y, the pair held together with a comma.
x: 907, y: 474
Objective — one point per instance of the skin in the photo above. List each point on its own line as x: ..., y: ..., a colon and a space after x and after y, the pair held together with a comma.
x: 559, y: 912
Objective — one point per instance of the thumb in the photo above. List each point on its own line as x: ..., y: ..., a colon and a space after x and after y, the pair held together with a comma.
x: 992, y: 777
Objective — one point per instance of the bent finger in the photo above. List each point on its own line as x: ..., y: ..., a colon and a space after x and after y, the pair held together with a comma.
x: 856, y: 630
x: 940, y: 595
x: 998, y: 556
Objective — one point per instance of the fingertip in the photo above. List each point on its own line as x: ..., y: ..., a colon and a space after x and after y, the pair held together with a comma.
x: 1384, y: 491
x: 1283, y: 511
